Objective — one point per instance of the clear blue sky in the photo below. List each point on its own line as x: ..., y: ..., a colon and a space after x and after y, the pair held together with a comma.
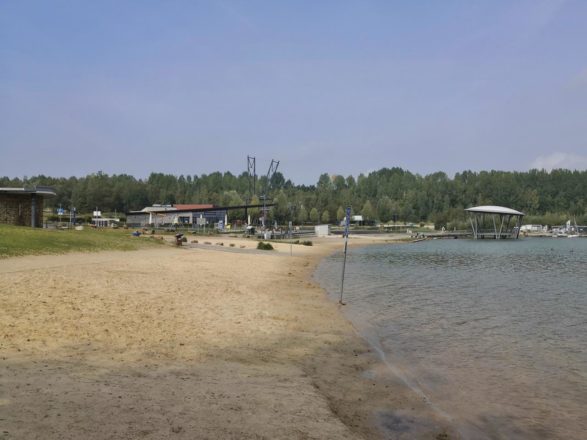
x: 191, y: 87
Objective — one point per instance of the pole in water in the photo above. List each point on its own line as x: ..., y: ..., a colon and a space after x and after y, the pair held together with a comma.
x: 343, y: 268
x: 346, y: 238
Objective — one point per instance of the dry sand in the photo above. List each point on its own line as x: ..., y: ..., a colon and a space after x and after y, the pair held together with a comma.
x: 199, y: 342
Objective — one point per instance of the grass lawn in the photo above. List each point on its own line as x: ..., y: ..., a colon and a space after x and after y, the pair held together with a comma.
x: 16, y: 241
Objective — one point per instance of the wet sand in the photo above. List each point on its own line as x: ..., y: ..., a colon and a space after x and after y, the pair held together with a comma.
x: 199, y: 342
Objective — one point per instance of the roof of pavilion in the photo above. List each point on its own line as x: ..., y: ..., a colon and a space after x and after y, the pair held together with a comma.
x: 45, y: 191
x: 490, y: 209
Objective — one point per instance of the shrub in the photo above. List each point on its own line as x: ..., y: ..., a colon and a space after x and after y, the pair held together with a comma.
x: 265, y: 246
x: 307, y: 243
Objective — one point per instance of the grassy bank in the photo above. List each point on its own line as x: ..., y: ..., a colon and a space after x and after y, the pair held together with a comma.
x: 16, y: 241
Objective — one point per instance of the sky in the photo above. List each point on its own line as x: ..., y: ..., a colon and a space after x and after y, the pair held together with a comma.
x: 337, y: 87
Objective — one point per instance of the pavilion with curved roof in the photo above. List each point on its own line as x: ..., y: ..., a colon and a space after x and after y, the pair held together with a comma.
x: 495, y: 222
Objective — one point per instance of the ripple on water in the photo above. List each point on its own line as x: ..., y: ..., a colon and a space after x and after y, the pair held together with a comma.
x: 493, y: 332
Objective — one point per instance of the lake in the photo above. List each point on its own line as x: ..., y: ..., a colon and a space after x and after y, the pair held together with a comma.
x: 492, y: 332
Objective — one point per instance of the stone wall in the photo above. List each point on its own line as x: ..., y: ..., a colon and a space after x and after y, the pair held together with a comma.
x: 15, y: 209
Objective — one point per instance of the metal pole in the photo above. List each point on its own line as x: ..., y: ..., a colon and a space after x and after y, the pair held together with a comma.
x: 33, y: 210
x: 343, y: 269
x: 518, y: 221
x: 290, y: 229
x: 472, y: 226
x: 346, y: 238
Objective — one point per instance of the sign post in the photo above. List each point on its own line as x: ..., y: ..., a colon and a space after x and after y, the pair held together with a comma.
x: 347, y: 221
x: 60, y: 212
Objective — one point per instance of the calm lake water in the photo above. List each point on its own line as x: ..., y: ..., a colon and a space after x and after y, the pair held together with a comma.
x: 493, y: 333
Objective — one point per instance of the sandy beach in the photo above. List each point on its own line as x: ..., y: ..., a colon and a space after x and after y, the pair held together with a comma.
x: 199, y: 342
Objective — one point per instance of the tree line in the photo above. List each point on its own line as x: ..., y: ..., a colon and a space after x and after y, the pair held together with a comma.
x: 387, y: 195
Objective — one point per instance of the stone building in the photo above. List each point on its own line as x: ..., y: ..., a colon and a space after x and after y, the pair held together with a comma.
x: 23, y: 206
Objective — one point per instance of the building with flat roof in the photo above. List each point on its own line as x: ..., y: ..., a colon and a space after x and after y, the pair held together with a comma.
x: 188, y: 215
x: 24, y: 206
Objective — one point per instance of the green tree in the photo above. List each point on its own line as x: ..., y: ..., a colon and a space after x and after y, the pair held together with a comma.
x: 546, y: 197
x: 340, y: 214
x: 324, y: 182
x: 281, y: 208
x: 325, y: 216
x: 368, y: 212
x: 384, y: 209
x: 254, y: 212
x: 314, y: 216
x: 339, y: 183
x: 302, y: 215
x: 232, y: 198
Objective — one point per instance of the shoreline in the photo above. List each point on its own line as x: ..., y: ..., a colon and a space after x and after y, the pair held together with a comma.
x: 192, y: 343
x: 413, y: 416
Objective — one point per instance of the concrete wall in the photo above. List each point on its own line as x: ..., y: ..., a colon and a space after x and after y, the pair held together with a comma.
x: 15, y: 209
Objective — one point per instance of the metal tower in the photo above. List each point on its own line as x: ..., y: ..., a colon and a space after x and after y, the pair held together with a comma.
x: 270, y: 173
x: 251, y: 168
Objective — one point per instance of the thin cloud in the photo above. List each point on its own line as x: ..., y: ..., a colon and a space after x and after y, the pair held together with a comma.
x: 560, y: 160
